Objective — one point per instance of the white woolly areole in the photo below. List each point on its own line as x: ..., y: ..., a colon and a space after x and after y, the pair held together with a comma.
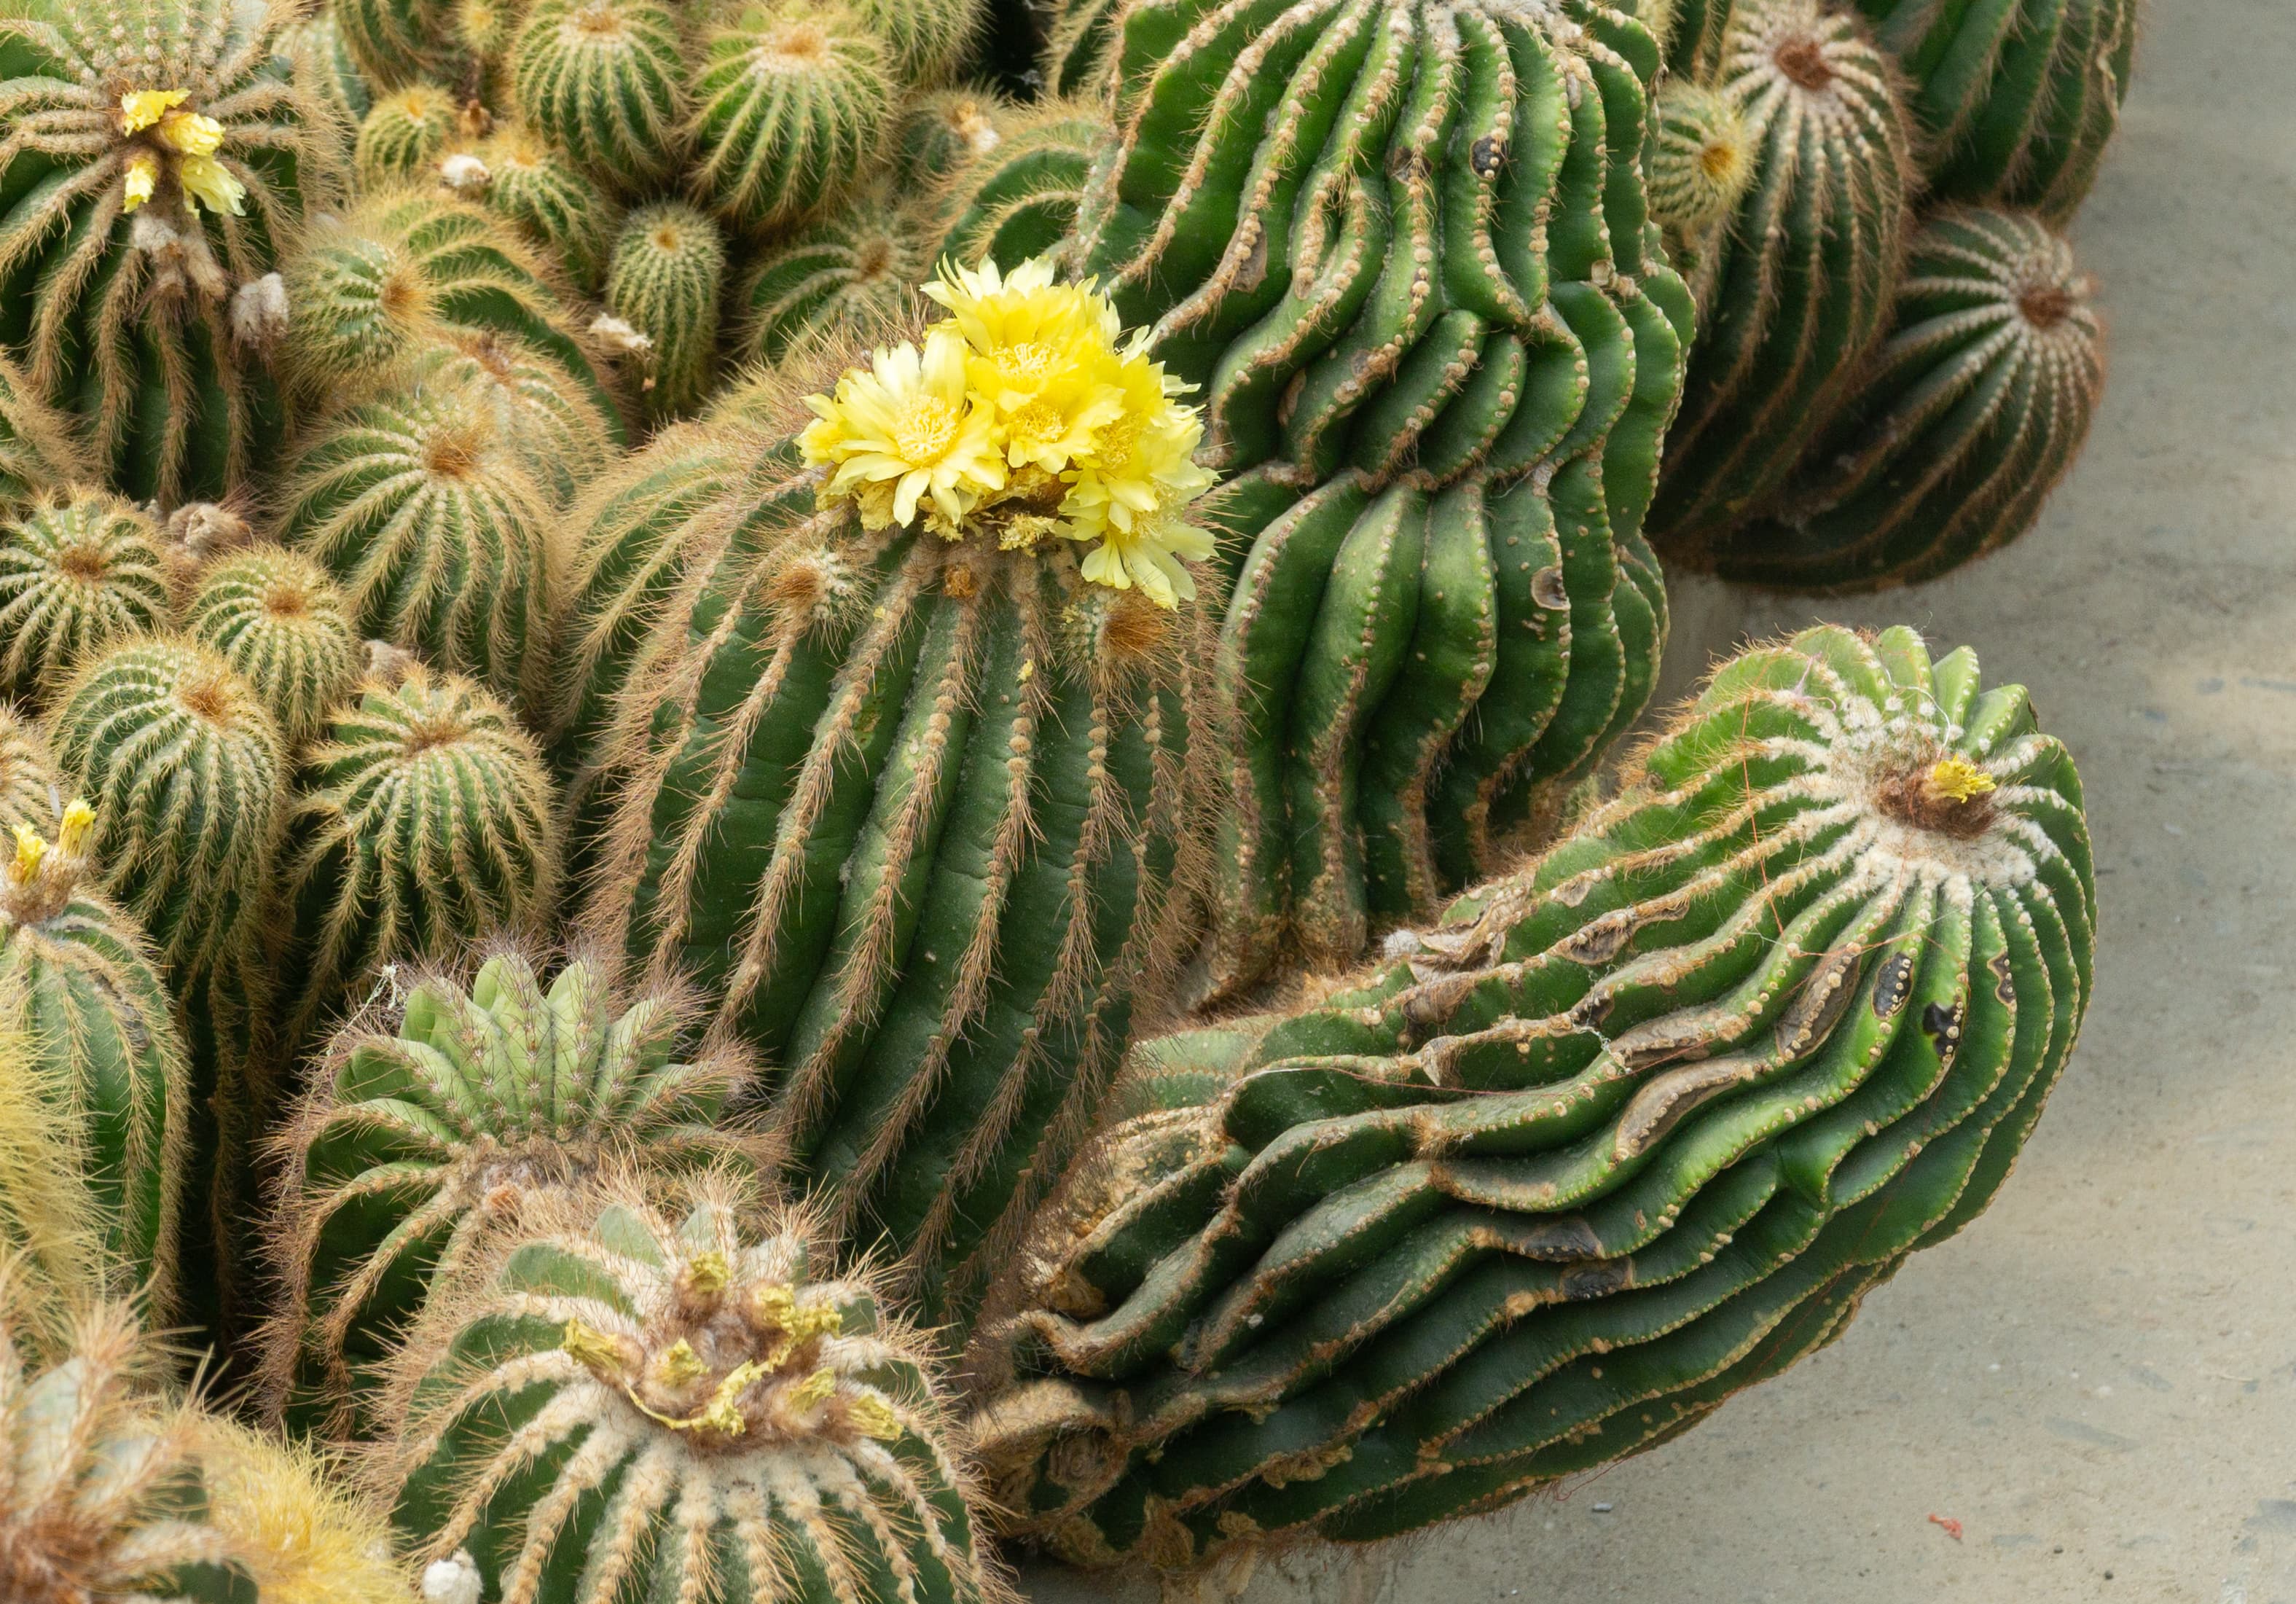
x: 259, y: 312
x: 454, y: 1581
x: 464, y: 173
x: 615, y: 331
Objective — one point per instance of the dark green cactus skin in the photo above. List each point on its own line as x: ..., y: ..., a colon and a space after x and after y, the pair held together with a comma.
x: 549, y: 200
x: 315, y: 49
x: 418, y: 1137
x: 402, y: 137
x: 792, y: 106
x: 1968, y: 417
x: 1405, y: 250
x: 912, y: 815
x: 1629, y: 1130
x: 1798, y: 289
x: 1020, y: 199
x: 2017, y: 100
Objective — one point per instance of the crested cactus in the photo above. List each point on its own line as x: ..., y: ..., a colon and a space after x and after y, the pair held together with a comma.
x: 1632, y: 1128
x: 1970, y: 413
x: 76, y: 577
x: 666, y: 280
x: 2017, y: 100
x: 912, y: 804
x: 405, y: 134
x: 40, y: 454
x: 424, y: 509
x: 520, y: 176
x: 423, y: 821
x: 80, y: 997
x: 850, y: 275
x: 1797, y: 288
x: 276, y: 617
x: 449, y: 1117
x: 151, y: 163
x: 603, y: 78
x: 787, y: 1425
x: 792, y: 107
x: 28, y: 792
x: 404, y: 271
x: 1018, y: 199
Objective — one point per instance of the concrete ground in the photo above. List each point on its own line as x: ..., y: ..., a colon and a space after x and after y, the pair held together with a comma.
x: 2098, y: 1379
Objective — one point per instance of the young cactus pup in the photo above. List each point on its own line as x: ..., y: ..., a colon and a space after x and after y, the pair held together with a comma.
x: 1631, y: 1130
x: 153, y: 165
x: 275, y: 617
x: 450, y: 1114
x: 668, y: 276
x: 903, y: 770
x: 774, y: 1434
x: 404, y: 134
x: 76, y: 576
x: 95, y: 1039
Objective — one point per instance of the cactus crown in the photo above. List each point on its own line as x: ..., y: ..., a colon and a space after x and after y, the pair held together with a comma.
x: 277, y: 618
x: 668, y: 272
x: 692, y: 1344
x: 1701, y: 161
x: 404, y: 133
x: 603, y: 78
x: 73, y: 578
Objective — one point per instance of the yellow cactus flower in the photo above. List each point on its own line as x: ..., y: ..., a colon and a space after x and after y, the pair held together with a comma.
x: 993, y: 309
x: 143, y: 179
x: 140, y: 109
x: 1957, y: 779
x: 78, y: 819
x: 1143, y: 465
x: 189, y: 134
x: 1148, y: 553
x: 29, y: 850
x: 207, y: 181
x: 907, y: 424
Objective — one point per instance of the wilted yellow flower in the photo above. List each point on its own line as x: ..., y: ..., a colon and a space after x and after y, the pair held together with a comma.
x: 906, y: 422
x: 208, y: 182
x: 139, y: 109
x: 143, y: 179
x: 189, y: 134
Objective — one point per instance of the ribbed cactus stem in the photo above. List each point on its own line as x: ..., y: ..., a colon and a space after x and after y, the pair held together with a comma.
x: 518, y: 175
x: 548, y: 418
x: 935, y: 134
x: 29, y: 793
x: 404, y: 135
x: 926, y: 40
x: 666, y: 280
x: 39, y: 452
x: 854, y: 273
x: 277, y: 619
x: 708, y: 1364
x: 793, y: 104
x: 1701, y: 161
x: 76, y: 576
x: 1020, y: 198
x: 602, y: 78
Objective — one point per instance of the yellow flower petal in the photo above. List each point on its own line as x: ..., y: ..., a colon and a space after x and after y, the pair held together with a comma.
x: 143, y: 179
x: 206, y: 181
x: 189, y: 134
x: 139, y: 109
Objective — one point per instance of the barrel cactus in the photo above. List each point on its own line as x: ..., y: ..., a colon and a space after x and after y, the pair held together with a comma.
x: 1797, y: 290
x: 405, y: 132
x: 1970, y: 413
x: 2018, y: 101
x: 903, y: 779
x: 925, y: 40
x: 1079, y: 47
x: 447, y: 1115
x: 699, y: 1357
x: 304, y: 1536
x: 792, y: 105
x: 603, y: 78
x: 937, y: 133
x: 76, y: 576
x: 396, y: 42
x: 1630, y: 1129
x: 549, y: 421
x: 1020, y: 198
x: 518, y: 175
x: 856, y: 271
x: 151, y: 163
x: 276, y: 617
x: 665, y: 280
x: 1701, y: 163
x: 95, y: 1040
x: 319, y: 55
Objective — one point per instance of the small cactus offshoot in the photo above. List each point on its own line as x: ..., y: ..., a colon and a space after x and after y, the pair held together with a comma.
x: 405, y: 134
x: 603, y: 78
x: 277, y: 618
x: 666, y: 280
x: 518, y: 175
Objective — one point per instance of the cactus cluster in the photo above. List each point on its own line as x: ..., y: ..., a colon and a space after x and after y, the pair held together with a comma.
x: 707, y: 713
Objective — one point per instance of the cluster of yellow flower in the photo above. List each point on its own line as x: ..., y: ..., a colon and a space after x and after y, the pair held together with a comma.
x: 192, y: 139
x: 1026, y: 414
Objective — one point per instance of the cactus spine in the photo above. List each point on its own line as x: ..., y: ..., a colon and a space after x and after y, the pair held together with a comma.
x: 321, y: 59
x: 39, y: 454
x: 304, y: 1538
x: 1968, y: 416
x: 76, y: 577
x: 792, y: 107
x: 1701, y: 163
x: 1797, y: 290
x: 277, y: 619
x: 668, y: 274
x: 397, y: 42
x: 1081, y: 43
x: 602, y: 78
x: 789, y: 1426
x: 1631, y: 1129
x: 28, y: 792
x: 938, y: 133
x: 1020, y: 198
x: 518, y: 176
x: 421, y: 1134
x: 151, y: 157
x: 80, y: 996
x: 853, y: 274
x: 405, y: 134
x: 424, y: 820
x: 549, y: 419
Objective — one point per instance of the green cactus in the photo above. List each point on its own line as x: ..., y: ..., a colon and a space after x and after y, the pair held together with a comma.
x: 76, y: 577
x: 29, y: 794
x: 305, y: 1537
x: 1797, y: 289
x: 518, y: 175
x: 317, y: 53
x: 486, y: 30
x: 405, y: 134
x: 98, y: 1045
x: 937, y: 133
x: 701, y: 1364
x: 1079, y: 47
x: 548, y: 419
x: 914, y: 813
x: 1018, y: 199
x: 397, y: 42
x: 926, y: 40
x: 405, y: 271
x: 1701, y: 161
x: 277, y: 619
x: 664, y: 282
x: 425, y: 822
x: 151, y: 162
x: 53, y: 1230
x: 40, y: 454
x: 423, y: 508
x: 2017, y: 100
x: 1969, y: 414
x: 840, y: 279
x: 793, y: 107
x: 1629, y: 1130
x: 423, y: 1132
x: 603, y: 78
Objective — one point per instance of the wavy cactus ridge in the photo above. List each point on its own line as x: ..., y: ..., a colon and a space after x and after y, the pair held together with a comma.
x: 793, y: 107
x: 1971, y: 412
x: 1628, y: 1130
x: 276, y: 617
x: 441, y: 1120
x: 1796, y: 292
x: 703, y: 1364
x: 76, y: 576
x: 667, y: 281
x: 138, y: 238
